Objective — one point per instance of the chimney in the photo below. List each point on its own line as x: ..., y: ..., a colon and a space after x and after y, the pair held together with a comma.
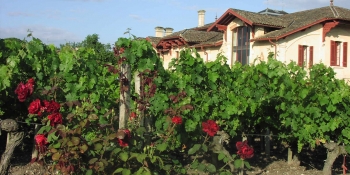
x: 201, y: 14
x: 168, y: 31
x: 159, y: 31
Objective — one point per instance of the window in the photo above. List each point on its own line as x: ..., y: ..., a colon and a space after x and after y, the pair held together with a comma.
x: 305, y: 56
x: 339, y: 53
x: 241, y: 44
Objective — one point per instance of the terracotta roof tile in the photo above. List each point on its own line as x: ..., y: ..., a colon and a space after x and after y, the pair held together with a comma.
x: 261, y: 19
x: 154, y: 40
x: 301, y: 19
x: 194, y: 36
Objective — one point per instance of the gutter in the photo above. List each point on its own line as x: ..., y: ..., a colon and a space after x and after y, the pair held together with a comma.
x: 205, y: 53
x: 275, y: 47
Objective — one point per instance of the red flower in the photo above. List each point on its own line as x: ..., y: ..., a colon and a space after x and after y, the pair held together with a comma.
x: 125, y: 141
x: 177, y: 120
x: 30, y: 85
x: 121, y: 50
x: 22, y: 92
x: 35, y: 107
x: 244, y: 150
x: 51, y: 106
x: 41, y: 142
x: 210, y: 127
x: 132, y: 115
x: 55, y: 118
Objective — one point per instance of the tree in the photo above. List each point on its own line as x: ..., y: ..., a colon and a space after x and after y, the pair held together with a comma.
x: 104, y: 52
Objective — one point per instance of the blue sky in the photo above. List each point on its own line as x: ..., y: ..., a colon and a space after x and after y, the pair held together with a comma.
x: 61, y: 21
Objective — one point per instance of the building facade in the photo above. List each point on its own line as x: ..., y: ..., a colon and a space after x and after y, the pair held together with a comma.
x: 307, y: 37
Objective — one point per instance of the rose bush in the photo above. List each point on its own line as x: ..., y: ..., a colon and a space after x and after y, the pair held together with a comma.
x: 25, y: 90
x: 244, y: 150
x: 51, y: 106
x: 177, y: 120
x: 163, y: 126
x: 124, y: 142
x: 35, y: 107
x: 55, y: 119
x: 210, y: 127
x: 40, y: 142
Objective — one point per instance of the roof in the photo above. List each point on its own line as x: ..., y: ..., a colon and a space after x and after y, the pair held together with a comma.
x: 204, y: 28
x: 193, y: 36
x: 268, y: 11
x: 215, y: 41
x: 251, y: 18
x: 304, y: 19
x: 154, y: 40
x: 285, y: 24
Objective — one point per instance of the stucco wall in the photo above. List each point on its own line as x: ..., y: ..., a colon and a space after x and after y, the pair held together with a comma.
x: 287, y: 49
x: 211, y: 51
x: 339, y: 33
x: 310, y: 37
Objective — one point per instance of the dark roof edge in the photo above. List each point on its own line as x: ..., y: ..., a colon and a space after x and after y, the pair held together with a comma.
x: 296, y: 30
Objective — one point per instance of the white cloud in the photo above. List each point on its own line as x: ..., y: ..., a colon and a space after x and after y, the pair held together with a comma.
x: 48, y: 35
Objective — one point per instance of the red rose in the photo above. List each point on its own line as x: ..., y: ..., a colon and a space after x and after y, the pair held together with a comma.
x: 121, y: 50
x: 132, y: 115
x: 210, y: 127
x: 22, y: 92
x: 125, y: 141
x: 31, y: 81
x: 41, y: 142
x: 244, y: 150
x: 55, y: 118
x: 30, y: 86
x: 177, y: 120
x: 52, y: 106
x: 239, y: 145
x: 35, y: 107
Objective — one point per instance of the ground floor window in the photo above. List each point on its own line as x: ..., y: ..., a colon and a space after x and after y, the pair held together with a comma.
x: 338, y: 53
x: 305, y: 56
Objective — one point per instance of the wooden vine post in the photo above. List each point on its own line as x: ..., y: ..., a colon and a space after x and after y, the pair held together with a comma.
x: 35, y: 152
x: 137, y: 78
x: 144, y: 121
x: 15, y: 137
x: 124, y: 104
x: 267, y: 142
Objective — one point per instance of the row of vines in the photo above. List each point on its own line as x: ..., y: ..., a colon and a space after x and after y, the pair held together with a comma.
x: 175, y: 115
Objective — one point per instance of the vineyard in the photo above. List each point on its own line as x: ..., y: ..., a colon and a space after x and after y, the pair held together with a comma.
x: 126, y: 114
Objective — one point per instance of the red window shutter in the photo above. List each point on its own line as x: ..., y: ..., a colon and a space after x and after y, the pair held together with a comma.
x: 311, y: 60
x: 301, y: 55
x: 345, y: 54
x: 333, y: 55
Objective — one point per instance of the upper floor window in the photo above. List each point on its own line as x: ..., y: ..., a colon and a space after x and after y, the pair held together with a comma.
x: 241, y: 44
x: 339, y: 53
x: 305, y: 55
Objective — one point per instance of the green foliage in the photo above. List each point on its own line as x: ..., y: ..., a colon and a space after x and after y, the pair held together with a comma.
x: 299, y: 105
